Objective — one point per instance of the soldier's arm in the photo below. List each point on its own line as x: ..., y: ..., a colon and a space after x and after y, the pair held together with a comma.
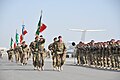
x: 49, y: 47
x: 65, y: 48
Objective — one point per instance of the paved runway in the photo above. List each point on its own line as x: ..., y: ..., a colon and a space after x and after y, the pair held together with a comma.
x: 13, y: 71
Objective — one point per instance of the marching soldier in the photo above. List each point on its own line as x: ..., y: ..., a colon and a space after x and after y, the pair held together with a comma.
x: 41, y: 52
x: 10, y: 54
x: 34, y: 49
x: 24, y: 55
x: 61, y: 53
x: 17, y: 53
x: 52, y: 48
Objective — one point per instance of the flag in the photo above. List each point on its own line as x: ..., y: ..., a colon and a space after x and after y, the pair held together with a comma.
x: 39, y: 25
x: 43, y: 27
x: 16, y: 37
x: 24, y: 31
x: 21, y: 38
x: 11, y: 42
x: 14, y: 44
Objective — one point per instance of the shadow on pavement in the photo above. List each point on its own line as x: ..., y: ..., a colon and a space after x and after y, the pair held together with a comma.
x: 92, y: 67
x: 17, y: 70
x: 24, y: 70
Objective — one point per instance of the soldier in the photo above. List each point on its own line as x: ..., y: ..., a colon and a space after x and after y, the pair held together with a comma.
x: 84, y: 54
x: 98, y: 48
x: 87, y: 54
x: 25, y: 51
x: 118, y: 53
x: 92, y: 51
x: 61, y: 53
x: 17, y: 53
x: 112, y: 52
x: 78, y: 52
x: 41, y: 51
x: 52, y: 48
x: 34, y: 49
x: 10, y: 54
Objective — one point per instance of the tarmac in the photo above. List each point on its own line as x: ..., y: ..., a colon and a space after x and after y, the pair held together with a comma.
x: 15, y: 71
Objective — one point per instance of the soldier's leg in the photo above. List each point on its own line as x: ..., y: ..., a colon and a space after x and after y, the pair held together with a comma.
x: 54, y: 61
x: 109, y: 61
x: 92, y: 59
x: 96, y: 59
x: 63, y: 58
x: 104, y: 61
x: 84, y: 58
x: 61, y: 62
x: 16, y: 57
x: 43, y: 58
x: 116, y: 61
x: 10, y: 58
x: 119, y: 61
x: 38, y: 63
x: 113, y: 61
x: 58, y: 61
x: 23, y: 58
x: 88, y: 59
x: 78, y: 59
x: 26, y: 56
x: 34, y: 60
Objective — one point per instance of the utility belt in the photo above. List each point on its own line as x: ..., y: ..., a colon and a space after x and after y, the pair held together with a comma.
x: 59, y: 52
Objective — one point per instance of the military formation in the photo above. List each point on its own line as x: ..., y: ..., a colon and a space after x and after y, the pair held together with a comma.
x: 104, y: 55
x: 36, y: 50
x: 21, y: 53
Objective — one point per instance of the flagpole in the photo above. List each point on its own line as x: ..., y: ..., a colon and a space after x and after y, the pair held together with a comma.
x: 23, y: 26
x: 15, y: 39
x: 41, y: 12
x: 41, y: 21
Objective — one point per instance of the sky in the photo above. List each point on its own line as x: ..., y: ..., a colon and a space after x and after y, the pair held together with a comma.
x: 60, y: 16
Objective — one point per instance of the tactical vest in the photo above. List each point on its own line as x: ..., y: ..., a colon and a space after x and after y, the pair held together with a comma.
x: 60, y: 47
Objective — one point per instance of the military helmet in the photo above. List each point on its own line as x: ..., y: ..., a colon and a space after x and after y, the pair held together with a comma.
x: 23, y: 42
x: 59, y: 37
x: 36, y: 37
x: 55, y: 38
x: 41, y: 36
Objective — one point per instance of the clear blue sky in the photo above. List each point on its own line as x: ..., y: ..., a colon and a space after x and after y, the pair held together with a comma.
x: 59, y: 16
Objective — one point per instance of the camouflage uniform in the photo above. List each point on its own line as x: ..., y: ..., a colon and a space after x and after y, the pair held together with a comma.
x: 24, y: 54
x: 79, y: 53
x: 42, y: 52
x: 52, y: 48
x: 17, y: 52
x: 111, y: 54
x: 118, y: 53
x: 10, y: 54
x: 61, y: 53
x: 34, y: 49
